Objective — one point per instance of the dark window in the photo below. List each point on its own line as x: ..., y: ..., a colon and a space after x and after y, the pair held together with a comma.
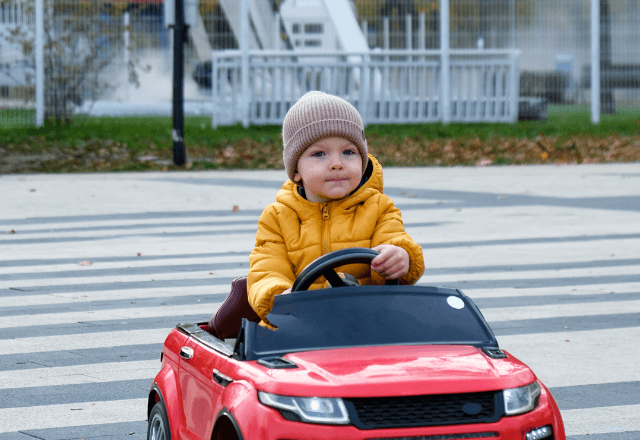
x: 313, y: 28
x: 312, y: 43
x: 295, y: 28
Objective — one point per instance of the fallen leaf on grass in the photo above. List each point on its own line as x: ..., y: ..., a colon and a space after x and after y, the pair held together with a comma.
x: 483, y: 162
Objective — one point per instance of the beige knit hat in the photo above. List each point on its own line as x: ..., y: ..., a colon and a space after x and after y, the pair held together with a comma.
x: 318, y: 115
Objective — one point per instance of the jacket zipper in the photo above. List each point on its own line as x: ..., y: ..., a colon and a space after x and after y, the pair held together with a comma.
x: 326, y: 232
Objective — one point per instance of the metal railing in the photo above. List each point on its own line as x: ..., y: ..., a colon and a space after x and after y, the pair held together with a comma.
x: 558, y: 42
x: 387, y: 87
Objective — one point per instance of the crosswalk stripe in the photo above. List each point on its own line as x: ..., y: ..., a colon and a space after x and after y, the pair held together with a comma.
x: 201, y: 274
x: 545, y: 352
x: 17, y: 298
x: 124, y: 228
x: 72, y: 414
x: 110, y: 295
x: 456, y: 279
x: 41, y: 344
x: 109, y: 314
x: 595, y: 289
x: 539, y: 274
x: 182, y: 220
x: 602, y: 420
x: 178, y: 263
x: 559, y: 310
x: 79, y: 374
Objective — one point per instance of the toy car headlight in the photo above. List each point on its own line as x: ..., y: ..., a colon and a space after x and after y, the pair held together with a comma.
x: 521, y: 400
x: 309, y: 409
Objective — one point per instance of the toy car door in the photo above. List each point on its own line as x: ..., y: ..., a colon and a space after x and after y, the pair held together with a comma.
x: 200, y: 391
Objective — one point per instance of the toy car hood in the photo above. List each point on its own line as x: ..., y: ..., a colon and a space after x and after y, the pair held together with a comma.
x: 420, y: 369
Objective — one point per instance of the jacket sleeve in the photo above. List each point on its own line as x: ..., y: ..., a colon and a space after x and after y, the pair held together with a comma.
x: 390, y: 230
x: 270, y: 271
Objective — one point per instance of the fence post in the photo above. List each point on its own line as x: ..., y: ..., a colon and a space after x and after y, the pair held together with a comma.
x: 277, y: 38
x: 595, y: 61
x: 39, y: 63
x: 514, y: 87
x: 445, y: 62
x: 385, y: 33
x: 244, y: 48
x: 422, y: 32
x: 127, y: 54
x: 365, y: 30
x: 365, y: 81
x: 408, y: 32
x: 214, y: 90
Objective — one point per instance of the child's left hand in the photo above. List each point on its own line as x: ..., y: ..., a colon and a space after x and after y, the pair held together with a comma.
x: 392, y: 263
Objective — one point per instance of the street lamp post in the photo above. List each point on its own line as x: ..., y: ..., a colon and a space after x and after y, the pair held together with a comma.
x: 180, y: 30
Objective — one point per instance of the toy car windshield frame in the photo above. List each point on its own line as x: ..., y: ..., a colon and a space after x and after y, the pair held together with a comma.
x: 346, y: 317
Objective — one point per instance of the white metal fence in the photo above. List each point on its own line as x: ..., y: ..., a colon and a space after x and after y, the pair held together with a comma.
x: 385, y: 86
x: 557, y: 40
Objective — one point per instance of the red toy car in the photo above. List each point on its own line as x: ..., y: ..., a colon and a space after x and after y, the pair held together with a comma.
x: 347, y: 362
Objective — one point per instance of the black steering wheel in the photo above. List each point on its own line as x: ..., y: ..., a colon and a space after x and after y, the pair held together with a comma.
x: 325, y: 265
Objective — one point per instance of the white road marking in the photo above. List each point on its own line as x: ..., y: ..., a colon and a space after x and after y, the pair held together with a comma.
x: 178, y: 263
x: 586, y: 289
x: 204, y: 308
x: 114, y: 279
x: 561, y: 310
x: 574, y: 358
x: 79, y: 374
x: 457, y: 279
x: 72, y: 414
x: 42, y: 344
x: 601, y: 420
x: 110, y: 295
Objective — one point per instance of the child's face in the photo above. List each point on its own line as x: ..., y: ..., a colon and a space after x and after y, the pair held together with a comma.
x: 329, y: 169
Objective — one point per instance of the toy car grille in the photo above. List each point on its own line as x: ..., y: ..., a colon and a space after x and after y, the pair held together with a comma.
x: 474, y: 435
x: 429, y: 410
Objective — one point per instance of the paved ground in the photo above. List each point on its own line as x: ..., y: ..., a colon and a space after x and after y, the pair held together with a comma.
x: 95, y: 270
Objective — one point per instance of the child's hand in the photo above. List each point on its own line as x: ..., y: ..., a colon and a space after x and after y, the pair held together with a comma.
x: 286, y: 291
x: 392, y: 263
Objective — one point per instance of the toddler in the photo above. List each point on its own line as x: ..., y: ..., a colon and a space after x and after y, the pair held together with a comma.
x: 332, y: 200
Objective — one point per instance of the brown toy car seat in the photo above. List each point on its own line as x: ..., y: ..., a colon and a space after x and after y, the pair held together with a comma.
x: 226, y: 322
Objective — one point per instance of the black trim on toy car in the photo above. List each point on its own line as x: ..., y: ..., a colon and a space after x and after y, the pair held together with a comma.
x: 224, y: 412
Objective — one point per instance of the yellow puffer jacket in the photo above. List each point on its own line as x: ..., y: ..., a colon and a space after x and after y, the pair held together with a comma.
x: 292, y: 232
